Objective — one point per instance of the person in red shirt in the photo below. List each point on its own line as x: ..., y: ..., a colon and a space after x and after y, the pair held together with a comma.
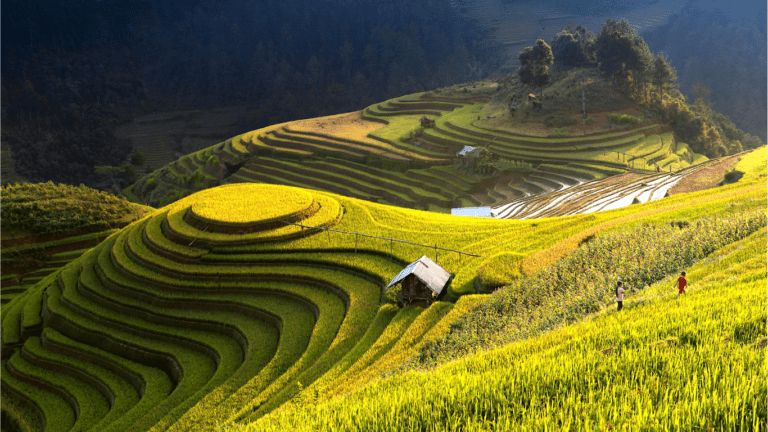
x: 681, y: 283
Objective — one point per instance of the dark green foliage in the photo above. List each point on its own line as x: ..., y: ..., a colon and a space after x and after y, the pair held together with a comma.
x: 53, y: 132
x: 709, y: 133
x: 512, y: 165
x: 727, y: 55
x: 574, y: 47
x: 624, y: 119
x: 150, y: 185
x: 664, y: 74
x: 138, y: 158
x: 478, y: 161
x: 620, y: 52
x: 534, y: 61
x: 560, y: 132
x: 734, y: 137
x: 46, y: 208
x: 118, y: 177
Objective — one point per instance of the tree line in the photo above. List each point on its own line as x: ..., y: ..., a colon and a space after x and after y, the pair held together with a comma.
x: 623, y: 58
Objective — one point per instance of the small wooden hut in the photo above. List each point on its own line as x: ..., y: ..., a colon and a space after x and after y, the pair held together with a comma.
x: 426, y: 121
x: 422, y: 280
x: 531, y: 97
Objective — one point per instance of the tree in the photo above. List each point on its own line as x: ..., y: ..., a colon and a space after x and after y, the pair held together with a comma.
x: 138, y: 158
x: 574, y: 47
x: 701, y: 94
x: 664, y: 74
x: 110, y: 171
x: 621, y: 53
x: 534, y: 61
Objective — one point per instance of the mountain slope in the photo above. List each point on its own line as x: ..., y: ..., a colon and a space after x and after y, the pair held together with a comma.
x: 226, y: 305
x: 383, y: 154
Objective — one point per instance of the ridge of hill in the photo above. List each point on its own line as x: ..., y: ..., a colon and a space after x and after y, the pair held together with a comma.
x: 45, y: 226
x: 222, y: 307
x: 383, y: 154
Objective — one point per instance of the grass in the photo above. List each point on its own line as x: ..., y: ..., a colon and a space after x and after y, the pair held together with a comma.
x: 58, y: 414
x: 90, y: 405
x: 197, y: 368
x: 398, y: 326
x: 255, y: 203
x: 401, y: 350
x: 366, y: 185
x: 328, y: 215
x: 387, y: 136
x: 118, y: 393
x: 297, y: 319
x: 152, y: 384
x: 668, y: 352
x: 280, y: 172
x: 20, y: 411
x: 49, y: 244
x: 50, y: 209
x: 267, y: 326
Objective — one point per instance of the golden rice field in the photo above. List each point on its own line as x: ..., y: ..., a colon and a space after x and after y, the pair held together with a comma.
x: 664, y: 363
x: 215, y: 312
x: 248, y: 203
x: 350, y: 125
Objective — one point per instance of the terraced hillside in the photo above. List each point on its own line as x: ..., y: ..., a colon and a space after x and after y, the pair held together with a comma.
x: 670, y: 352
x: 384, y: 155
x: 45, y: 226
x: 185, y: 312
x: 560, y: 194
x: 225, y: 305
x: 160, y: 136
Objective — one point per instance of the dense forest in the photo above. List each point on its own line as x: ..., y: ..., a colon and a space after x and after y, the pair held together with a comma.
x: 72, y: 71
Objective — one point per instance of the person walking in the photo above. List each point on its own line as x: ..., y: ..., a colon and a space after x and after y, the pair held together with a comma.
x: 620, y: 295
x: 681, y: 284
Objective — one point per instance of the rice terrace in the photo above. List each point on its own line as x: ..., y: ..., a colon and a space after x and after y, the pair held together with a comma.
x: 309, y: 275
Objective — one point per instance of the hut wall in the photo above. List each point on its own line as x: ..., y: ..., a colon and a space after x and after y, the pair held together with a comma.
x: 412, y: 287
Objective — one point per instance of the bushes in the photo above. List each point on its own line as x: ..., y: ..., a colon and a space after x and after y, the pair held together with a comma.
x: 560, y: 132
x: 624, y: 119
x: 150, y: 185
x: 49, y: 209
x: 512, y: 165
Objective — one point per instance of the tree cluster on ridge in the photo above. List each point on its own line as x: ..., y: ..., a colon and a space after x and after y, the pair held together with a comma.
x: 622, y: 57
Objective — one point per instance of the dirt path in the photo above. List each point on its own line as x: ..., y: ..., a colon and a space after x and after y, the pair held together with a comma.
x: 705, y: 178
